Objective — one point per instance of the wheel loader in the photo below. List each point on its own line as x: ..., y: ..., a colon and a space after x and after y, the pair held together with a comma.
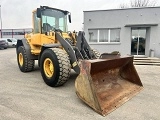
x: 104, y: 83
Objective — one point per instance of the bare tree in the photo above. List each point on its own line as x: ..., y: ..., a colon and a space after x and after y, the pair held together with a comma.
x: 139, y: 3
x: 123, y: 5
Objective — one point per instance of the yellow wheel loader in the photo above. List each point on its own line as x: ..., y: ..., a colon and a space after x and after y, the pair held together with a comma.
x: 104, y: 83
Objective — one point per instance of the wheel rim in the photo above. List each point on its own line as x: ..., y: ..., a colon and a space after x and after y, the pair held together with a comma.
x: 48, y: 67
x: 20, y: 59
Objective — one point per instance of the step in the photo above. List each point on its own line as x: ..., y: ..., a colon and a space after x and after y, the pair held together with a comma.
x: 149, y: 61
x: 146, y: 58
x: 146, y: 61
x: 142, y: 63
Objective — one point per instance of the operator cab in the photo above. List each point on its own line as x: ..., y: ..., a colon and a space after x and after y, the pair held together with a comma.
x: 50, y: 19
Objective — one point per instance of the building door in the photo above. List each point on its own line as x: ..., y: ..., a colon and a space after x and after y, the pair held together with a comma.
x: 138, y: 41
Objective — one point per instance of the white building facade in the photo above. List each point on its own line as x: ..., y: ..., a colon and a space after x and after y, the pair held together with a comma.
x: 14, y: 33
x: 133, y: 31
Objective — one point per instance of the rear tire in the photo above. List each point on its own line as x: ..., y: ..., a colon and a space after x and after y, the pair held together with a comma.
x: 24, y: 63
x: 55, y: 67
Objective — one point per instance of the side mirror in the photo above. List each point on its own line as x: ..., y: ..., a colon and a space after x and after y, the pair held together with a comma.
x: 38, y: 12
x: 69, y: 17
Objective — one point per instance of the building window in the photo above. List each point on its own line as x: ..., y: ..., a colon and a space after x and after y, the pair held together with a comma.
x: 13, y: 33
x: 104, y: 35
x: 93, y: 35
x: 115, y: 35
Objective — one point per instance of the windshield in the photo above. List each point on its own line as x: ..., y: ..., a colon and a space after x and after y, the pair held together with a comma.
x: 53, y: 19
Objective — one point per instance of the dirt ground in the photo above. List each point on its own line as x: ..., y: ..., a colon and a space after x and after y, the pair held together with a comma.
x: 24, y: 96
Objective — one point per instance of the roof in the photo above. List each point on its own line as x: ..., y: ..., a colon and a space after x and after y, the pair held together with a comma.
x: 123, y: 9
x: 141, y: 25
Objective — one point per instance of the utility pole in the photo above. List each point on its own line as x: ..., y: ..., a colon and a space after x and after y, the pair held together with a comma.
x: 1, y: 20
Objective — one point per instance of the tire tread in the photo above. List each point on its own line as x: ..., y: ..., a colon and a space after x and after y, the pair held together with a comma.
x: 64, y: 65
x: 28, y: 64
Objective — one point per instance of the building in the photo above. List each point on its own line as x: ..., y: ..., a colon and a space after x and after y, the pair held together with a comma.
x: 133, y: 31
x: 14, y: 33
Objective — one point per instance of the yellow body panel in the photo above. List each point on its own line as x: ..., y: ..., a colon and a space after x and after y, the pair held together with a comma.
x: 37, y: 40
x: 65, y: 35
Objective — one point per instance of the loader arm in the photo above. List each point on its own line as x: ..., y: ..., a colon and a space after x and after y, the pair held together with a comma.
x: 84, y: 47
x: 69, y: 49
x: 81, y: 51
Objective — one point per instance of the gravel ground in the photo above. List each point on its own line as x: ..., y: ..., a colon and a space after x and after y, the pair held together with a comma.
x: 24, y: 96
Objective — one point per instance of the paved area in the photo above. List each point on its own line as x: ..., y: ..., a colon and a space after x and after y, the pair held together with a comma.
x: 24, y: 96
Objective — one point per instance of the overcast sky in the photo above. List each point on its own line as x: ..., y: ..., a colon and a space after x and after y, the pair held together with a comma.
x: 18, y: 13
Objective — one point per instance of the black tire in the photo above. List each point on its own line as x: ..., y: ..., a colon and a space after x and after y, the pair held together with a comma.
x: 13, y: 45
x: 97, y: 53
x: 5, y: 48
x: 25, y: 65
x: 59, y: 62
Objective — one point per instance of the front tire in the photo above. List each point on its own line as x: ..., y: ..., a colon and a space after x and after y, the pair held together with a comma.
x: 24, y: 63
x: 55, y: 67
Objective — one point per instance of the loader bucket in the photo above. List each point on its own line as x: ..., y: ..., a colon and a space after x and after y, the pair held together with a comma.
x: 105, y: 84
